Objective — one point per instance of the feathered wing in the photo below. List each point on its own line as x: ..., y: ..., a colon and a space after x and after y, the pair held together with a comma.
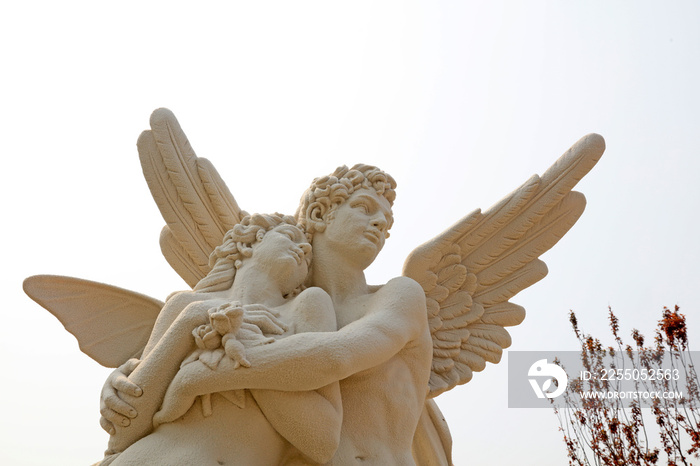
x: 196, y: 204
x: 111, y: 324
x: 471, y: 270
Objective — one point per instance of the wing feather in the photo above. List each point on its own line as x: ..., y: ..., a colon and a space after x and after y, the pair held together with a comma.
x: 499, y: 215
x: 538, y: 239
x: 512, y: 284
x: 504, y: 315
x: 224, y: 204
x: 181, y: 164
x: 165, y: 194
x: 471, y: 271
x: 196, y: 204
x: 179, y: 259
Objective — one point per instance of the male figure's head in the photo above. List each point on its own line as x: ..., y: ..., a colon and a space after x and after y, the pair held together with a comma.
x: 275, y: 242
x: 349, y: 211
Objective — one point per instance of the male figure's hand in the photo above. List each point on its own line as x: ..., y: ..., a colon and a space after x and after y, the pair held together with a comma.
x: 259, y: 319
x: 113, y: 409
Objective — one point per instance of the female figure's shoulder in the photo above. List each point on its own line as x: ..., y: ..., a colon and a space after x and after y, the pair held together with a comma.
x: 182, y: 299
x: 314, y: 294
x: 186, y: 297
x: 313, y: 311
x: 187, y: 302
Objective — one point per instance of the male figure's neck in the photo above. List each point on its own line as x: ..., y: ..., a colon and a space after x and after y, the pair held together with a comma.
x: 336, y: 275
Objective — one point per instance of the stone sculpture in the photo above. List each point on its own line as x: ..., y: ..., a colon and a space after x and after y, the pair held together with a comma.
x: 298, y: 362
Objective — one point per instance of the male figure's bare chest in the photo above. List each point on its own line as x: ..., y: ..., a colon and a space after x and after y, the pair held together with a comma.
x: 355, y: 308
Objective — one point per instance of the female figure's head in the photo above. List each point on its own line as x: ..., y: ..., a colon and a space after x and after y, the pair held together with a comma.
x: 285, y: 255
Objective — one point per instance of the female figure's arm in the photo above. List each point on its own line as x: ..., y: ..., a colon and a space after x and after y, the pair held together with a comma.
x: 171, y: 341
x: 308, y: 361
x: 117, y: 413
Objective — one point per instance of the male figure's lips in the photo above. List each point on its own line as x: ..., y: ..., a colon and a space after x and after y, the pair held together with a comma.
x: 374, y: 237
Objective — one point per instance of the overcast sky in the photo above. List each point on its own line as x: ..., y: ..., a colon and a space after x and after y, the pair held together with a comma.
x: 460, y: 101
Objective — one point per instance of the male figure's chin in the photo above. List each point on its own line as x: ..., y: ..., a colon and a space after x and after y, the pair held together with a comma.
x: 365, y: 255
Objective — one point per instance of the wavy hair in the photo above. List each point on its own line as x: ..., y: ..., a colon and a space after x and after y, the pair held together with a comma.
x: 327, y: 193
x: 238, y: 245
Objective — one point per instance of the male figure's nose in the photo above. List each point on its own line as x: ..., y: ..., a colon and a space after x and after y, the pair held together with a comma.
x: 379, y: 222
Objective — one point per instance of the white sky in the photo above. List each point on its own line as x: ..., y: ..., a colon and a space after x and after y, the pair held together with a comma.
x: 460, y: 101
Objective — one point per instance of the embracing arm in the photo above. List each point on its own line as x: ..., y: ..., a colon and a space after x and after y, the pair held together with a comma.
x: 309, y: 361
x: 309, y: 420
x: 170, y: 343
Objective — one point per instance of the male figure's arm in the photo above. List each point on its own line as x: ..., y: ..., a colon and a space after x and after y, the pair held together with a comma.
x: 117, y: 413
x: 120, y: 400
x: 312, y: 360
x: 309, y: 420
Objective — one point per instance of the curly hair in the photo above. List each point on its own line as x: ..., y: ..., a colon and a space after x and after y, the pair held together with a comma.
x: 327, y: 193
x: 237, y: 245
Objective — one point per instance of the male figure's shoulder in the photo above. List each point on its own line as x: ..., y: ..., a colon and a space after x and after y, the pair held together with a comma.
x: 402, y: 301
x: 407, y: 289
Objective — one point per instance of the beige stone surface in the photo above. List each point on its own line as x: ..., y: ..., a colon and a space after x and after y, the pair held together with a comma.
x: 339, y: 372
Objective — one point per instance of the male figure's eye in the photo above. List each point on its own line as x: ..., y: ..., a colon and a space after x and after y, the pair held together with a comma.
x: 362, y: 206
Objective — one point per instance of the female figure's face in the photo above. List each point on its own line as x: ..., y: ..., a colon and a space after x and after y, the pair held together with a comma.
x: 285, y: 255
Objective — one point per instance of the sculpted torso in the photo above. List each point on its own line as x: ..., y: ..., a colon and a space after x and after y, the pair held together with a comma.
x: 387, y: 389
x: 401, y: 381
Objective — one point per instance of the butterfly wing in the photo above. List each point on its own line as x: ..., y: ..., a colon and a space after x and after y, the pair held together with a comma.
x: 111, y: 324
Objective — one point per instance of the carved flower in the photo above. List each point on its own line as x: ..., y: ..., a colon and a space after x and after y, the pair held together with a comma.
x: 206, y: 337
x: 227, y: 318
